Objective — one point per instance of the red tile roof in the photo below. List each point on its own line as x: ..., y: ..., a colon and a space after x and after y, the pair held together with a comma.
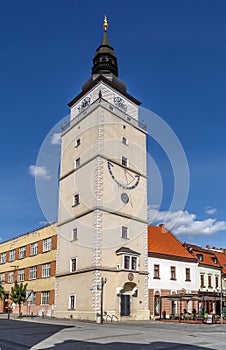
x: 222, y: 260
x: 208, y: 256
x: 161, y: 241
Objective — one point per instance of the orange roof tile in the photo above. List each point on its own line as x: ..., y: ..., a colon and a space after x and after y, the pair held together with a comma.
x: 207, y: 255
x: 161, y: 241
x: 222, y: 260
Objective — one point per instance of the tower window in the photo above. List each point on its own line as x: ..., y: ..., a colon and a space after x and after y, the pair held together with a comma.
x: 78, y: 143
x: 76, y: 199
x: 73, y: 264
x: 124, y: 140
x: 77, y: 162
x: 124, y: 161
x: 130, y: 262
x: 74, y: 234
x: 72, y: 302
x: 124, y: 232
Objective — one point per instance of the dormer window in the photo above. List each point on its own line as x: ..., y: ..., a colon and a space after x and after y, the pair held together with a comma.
x: 215, y: 260
x: 200, y: 257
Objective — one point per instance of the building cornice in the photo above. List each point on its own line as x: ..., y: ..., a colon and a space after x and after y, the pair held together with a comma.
x: 171, y: 257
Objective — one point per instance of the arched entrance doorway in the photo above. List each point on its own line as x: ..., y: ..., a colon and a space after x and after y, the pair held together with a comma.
x: 128, y: 291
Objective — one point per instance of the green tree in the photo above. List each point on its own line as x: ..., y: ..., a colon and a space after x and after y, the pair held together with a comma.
x: 2, y: 292
x: 18, y: 294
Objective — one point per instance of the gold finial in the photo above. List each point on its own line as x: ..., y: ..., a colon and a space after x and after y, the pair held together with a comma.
x: 105, y: 25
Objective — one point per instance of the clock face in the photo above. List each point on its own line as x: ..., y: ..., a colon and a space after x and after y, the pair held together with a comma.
x: 124, y: 197
x: 120, y: 103
x: 131, y: 181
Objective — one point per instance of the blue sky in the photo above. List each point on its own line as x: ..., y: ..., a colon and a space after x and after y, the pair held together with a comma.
x: 171, y: 55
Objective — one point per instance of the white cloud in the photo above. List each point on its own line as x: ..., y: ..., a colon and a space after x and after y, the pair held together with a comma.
x: 56, y: 139
x: 210, y: 211
x: 39, y: 172
x: 43, y: 223
x: 185, y: 223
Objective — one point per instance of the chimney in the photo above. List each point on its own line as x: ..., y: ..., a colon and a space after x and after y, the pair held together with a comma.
x: 163, y: 229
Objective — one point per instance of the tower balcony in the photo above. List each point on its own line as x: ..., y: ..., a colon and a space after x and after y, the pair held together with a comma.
x: 84, y: 112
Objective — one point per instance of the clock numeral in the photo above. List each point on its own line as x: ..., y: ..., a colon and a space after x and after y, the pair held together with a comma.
x: 120, y: 103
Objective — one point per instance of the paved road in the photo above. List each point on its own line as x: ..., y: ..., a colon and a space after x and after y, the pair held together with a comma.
x: 55, y: 335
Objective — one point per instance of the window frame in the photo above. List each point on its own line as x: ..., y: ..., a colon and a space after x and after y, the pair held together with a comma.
x: 173, y: 275
x: 124, y: 232
x: 70, y: 296
x: 74, y: 235
x: 22, y: 252
x: 3, y: 258
x: 34, y: 248
x: 200, y: 257
x: 76, y: 199
x: 32, y: 273
x: 78, y: 142
x: 45, y: 296
x: 46, y: 270
x: 10, y: 276
x: 12, y: 255
x: 216, y: 281
x: 209, y: 278
x: 2, y: 277
x: 47, y: 244
x: 125, y: 141
x: 156, y: 271
x: 124, y: 161
x: 33, y: 301
x: 128, y: 262
x: 74, y: 263
x: 77, y: 162
x: 202, y: 280
x: 21, y: 275
x: 187, y: 274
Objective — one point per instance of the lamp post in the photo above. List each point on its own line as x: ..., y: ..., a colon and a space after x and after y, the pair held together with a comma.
x: 221, y: 299
x: 103, y: 282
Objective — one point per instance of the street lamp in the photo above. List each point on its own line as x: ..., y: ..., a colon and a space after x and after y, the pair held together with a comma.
x: 101, y: 288
x: 221, y: 298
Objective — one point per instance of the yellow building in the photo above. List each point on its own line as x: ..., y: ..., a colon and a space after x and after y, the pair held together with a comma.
x: 31, y: 259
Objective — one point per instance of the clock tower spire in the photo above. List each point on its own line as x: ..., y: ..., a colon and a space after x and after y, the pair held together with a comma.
x: 105, y: 61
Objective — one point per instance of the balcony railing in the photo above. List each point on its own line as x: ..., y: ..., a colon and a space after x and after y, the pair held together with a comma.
x: 107, y: 105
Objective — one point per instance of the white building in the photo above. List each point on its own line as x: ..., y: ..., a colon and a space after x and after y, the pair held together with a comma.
x: 102, y: 217
x: 172, y: 270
